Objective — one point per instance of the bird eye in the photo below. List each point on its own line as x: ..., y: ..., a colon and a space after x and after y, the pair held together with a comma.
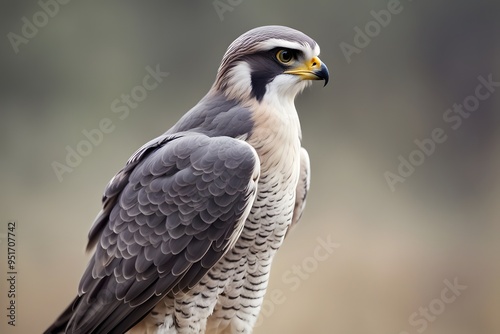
x: 284, y: 56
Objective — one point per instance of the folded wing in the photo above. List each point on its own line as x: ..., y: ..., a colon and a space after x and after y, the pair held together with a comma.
x: 168, y: 216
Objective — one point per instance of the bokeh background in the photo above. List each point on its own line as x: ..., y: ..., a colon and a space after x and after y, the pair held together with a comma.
x: 396, y: 248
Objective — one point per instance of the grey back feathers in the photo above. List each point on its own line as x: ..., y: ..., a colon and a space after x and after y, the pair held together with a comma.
x: 215, y: 115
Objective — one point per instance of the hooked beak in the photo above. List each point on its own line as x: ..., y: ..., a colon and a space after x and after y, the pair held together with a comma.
x: 312, y: 69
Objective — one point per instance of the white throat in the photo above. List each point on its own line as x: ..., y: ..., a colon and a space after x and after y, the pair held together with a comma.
x: 280, y: 99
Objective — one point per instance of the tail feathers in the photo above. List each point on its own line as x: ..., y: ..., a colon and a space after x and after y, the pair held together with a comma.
x: 59, y: 326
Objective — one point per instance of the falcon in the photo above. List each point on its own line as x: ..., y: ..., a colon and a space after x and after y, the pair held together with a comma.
x: 190, y: 226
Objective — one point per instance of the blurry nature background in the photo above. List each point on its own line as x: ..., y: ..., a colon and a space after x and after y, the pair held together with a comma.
x: 395, y: 248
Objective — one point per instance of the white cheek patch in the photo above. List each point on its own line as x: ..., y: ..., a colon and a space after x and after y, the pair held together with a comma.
x: 240, y: 80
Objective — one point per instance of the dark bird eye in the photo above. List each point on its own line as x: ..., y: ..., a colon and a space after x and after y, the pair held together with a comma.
x: 284, y: 56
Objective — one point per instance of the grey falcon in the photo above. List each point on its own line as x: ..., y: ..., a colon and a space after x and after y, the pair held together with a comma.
x: 189, y: 227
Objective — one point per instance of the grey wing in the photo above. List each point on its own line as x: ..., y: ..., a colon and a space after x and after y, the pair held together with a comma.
x: 168, y: 217
x: 302, y: 187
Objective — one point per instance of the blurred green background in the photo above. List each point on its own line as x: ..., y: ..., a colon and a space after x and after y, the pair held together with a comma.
x: 396, y: 247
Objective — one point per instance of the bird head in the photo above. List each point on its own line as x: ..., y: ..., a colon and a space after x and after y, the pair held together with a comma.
x: 270, y: 62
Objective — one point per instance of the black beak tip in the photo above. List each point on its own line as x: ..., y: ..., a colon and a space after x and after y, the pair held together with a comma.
x: 324, y: 74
